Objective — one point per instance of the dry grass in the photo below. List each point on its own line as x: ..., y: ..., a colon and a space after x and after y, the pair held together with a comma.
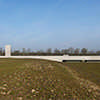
x: 27, y: 79
x: 88, y: 71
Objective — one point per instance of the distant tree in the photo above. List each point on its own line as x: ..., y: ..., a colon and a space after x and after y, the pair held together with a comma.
x: 64, y: 51
x: 3, y: 51
x: 0, y: 51
x: 91, y: 52
x: 49, y: 51
x: 98, y: 52
x: 84, y: 50
x: 28, y: 50
x: 77, y: 51
x: 24, y: 51
x: 71, y: 50
x: 57, y: 51
x: 39, y: 52
x: 16, y: 52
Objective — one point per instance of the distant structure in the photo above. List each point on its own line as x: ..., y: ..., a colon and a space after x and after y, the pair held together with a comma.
x: 8, y: 50
x: 64, y: 58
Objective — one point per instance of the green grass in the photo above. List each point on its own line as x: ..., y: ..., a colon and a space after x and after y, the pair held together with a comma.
x: 28, y: 79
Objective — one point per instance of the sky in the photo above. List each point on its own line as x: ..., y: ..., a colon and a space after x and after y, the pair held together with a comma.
x: 42, y: 24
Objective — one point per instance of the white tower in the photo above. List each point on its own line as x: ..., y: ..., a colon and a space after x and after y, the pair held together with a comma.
x: 8, y: 50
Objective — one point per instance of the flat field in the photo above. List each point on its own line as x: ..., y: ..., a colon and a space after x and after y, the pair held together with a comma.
x: 28, y: 79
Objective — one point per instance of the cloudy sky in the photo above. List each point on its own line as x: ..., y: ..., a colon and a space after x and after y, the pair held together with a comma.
x: 40, y: 24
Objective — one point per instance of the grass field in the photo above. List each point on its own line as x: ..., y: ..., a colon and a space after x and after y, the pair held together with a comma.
x: 27, y: 79
x: 89, y: 71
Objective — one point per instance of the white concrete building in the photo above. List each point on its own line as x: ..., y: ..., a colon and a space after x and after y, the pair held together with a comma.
x: 8, y: 50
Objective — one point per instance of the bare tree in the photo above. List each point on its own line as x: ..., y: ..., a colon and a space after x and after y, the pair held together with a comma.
x: 40, y: 52
x: 28, y: 50
x: 16, y: 52
x: 84, y: 50
x: 71, y: 50
x: 49, y: 51
x: 57, y: 51
x: 98, y: 52
x: 64, y: 51
x: 77, y: 51
x: 91, y: 52
x: 0, y: 51
x: 24, y: 51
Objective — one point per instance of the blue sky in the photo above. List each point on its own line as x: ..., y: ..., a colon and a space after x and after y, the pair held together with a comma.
x: 40, y: 24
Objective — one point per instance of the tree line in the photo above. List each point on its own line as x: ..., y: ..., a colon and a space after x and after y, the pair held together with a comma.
x: 49, y: 51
